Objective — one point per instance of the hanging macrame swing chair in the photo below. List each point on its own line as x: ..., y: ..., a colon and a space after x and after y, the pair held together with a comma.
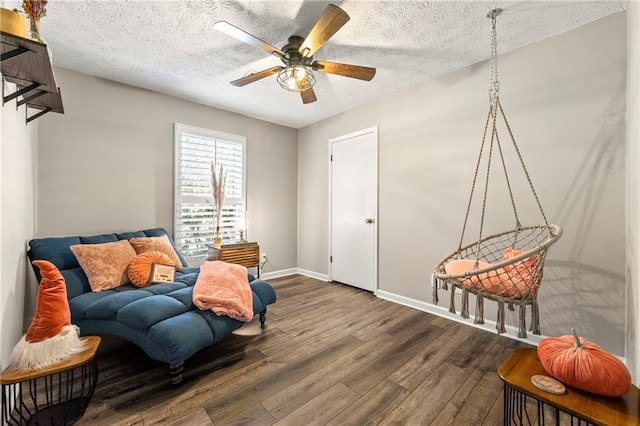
x: 505, y: 267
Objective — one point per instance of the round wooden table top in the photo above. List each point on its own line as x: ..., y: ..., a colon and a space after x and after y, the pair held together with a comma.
x: 523, y: 363
x: 10, y: 376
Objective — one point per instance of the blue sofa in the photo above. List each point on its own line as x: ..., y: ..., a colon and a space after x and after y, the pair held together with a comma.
x: 161, y: 318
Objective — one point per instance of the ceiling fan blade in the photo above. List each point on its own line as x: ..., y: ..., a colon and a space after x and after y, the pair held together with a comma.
x: 332, y: 19
x: 346, y: 70
x: 308, y: 96
x: 235, y: 32
x: 255, y: 76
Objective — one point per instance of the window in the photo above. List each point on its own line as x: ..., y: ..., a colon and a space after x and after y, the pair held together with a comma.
x: 196, y: 149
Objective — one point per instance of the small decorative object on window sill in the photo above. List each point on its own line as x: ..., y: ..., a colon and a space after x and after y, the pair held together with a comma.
x: 35, y: 10
x: 243, y: 225
x: 217, y: 240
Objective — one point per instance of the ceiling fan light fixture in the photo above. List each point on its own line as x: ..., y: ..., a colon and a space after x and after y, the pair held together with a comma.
x: 296, y: 78
x: 297, y: 56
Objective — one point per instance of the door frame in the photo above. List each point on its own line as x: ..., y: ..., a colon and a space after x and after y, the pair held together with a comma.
x: 330, y: 143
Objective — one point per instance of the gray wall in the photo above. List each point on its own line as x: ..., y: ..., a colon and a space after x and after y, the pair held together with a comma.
x: 633, y: 191
x: 565, y: 98
x: 107, y: 164
x: 17, y: 219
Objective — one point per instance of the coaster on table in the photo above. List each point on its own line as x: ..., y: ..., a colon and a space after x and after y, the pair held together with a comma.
x: 548, y: 384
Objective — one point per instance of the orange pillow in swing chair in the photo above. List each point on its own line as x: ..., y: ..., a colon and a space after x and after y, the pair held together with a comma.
x: 523, y: 269
x: 488, y: 282
x: 495, y: 282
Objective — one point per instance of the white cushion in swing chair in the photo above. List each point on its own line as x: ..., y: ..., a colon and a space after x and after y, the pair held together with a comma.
x: 512, y: 281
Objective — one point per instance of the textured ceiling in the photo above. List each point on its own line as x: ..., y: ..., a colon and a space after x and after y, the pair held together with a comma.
x: 171, y: 47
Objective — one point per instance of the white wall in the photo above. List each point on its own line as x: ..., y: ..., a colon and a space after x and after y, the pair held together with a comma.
x: 106, y: 165
x: 565, y: 100
x: 17, y: 219
x: 633, y: 190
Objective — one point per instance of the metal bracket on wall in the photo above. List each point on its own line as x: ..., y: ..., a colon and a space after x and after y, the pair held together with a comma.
x: 19, y: 92
x: 12, y: 53
x: 30, y: 97
x: 36, y: 115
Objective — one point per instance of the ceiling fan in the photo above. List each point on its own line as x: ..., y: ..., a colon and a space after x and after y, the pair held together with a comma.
x: 297, y: 55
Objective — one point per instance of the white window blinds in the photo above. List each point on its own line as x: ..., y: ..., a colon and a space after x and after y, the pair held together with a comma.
x: 196, y: 149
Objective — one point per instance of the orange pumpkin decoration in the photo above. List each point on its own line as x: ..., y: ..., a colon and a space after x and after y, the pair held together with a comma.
x: 584, y: 365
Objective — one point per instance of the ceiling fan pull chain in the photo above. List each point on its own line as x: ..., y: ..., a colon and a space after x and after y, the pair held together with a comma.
x: 494, y: 83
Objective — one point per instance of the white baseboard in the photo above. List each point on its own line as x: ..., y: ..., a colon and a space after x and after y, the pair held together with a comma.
x: 311, y: 274
x: 278, y: 274
x: 441, y: 311
x: 293, y: 271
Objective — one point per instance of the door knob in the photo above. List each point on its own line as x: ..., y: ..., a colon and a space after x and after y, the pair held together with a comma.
x: 369, y: 220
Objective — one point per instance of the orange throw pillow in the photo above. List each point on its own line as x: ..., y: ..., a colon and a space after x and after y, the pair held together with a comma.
x: 491, y: 281
x: 496, y: 281
x: 105, y: 264
x: 161, y: 244
x: 140, y: 267
x: 524, y: 268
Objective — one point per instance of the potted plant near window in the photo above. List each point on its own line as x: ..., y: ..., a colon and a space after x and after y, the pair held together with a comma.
x: 218, y: 182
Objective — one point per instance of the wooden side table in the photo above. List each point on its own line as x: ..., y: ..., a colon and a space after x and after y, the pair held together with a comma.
x: 245, y: 254
x: 56, y: 395
x: 578, y: 405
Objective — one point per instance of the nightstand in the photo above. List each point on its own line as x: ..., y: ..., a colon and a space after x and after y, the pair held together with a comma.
x: 55, y: 395
x: 573, y: 407
x: 245, y: 254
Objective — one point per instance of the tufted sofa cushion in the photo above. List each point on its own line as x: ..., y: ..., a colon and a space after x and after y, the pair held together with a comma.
x: 160, y: 318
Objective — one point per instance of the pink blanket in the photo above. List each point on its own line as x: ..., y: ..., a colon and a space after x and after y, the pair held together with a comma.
x: 224, y: 288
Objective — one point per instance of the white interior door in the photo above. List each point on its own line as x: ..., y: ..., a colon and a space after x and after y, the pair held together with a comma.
x: 353, y: 209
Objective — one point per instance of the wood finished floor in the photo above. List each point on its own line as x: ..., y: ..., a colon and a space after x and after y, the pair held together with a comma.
x: 330, y: 355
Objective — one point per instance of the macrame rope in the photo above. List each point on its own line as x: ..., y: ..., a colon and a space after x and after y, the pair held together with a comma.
x: 535, y: 317
x: 506, y: 176
x: 522, y: 326
x: 452, y: 302
x: 524, y: 167
x: 486, y: 186
x: 475, y: 177
x: 479, y: 319
x: 465, y: 303
x: 434, y: 284
x: 500, y: 323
